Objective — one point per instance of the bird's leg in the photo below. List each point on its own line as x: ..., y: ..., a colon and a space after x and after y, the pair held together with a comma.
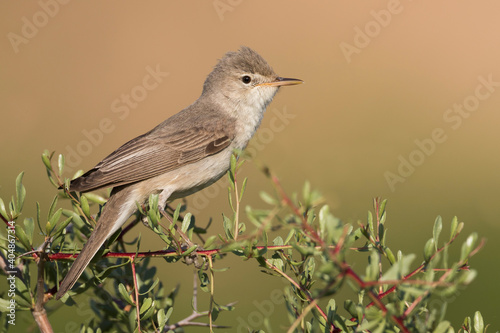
x: 144, y: 218
x: 162, y: 203
x: 191, y: 258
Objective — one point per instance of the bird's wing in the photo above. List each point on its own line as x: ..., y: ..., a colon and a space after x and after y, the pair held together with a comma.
x: 155, y: 153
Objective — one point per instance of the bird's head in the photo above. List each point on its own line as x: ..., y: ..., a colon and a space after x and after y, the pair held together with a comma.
x: 244, y: 79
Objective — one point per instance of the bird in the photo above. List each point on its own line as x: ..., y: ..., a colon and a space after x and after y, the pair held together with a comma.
x: 185, y: 153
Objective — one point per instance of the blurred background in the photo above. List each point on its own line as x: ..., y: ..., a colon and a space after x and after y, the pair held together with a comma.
x: 401, y: 100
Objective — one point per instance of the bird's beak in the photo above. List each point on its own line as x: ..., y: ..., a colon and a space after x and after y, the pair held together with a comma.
x: 281, y: 81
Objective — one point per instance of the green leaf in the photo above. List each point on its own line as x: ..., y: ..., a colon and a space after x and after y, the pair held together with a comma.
x: 468, y: 277
x: 210, y: 241
x: 95, y: 198
x: 243, y: 187
x: 291, y: 233
x: 370, y: 223
x: 306, y: 192
x: 381, y: 211
x: 390, y: 255
x: 331, y: 308
x: 3, y: 211
x: 146, y: 304
x: 372, y: 270
x: 48, y: 227
x: 468, y: 246
x: 20, y: 193
x: 227, y: 224
x: 232, y: 170
x: 442, y: 327
x: 242, y: 227
x: 164, y: 317
x: 478, y: 322
x: 52, y: 207
x: 52, y: 180
x: 62, y: 226
x: 161, y: 318
x: 46, y: 160
x: 323, y: 219
x: 186, y: 222
x: 138, y: 245
x: 267, y: 198
x: 38, y: 217
x: 429, y: 249
x: 309, y: 267
x: 156, y: 281
x: 204, y: 280
x: 233, y: 163
x: 21, y: 235
x: 190, y: 250
x: 177, y: 212
x: 399, y: 269
x: 350, y: 307
x: 125, y: 295
x: 223, y: 269
x: 438, y: 226
x: 77, y: 174
x: 278, y: 241
x: 460, y: 227
x: 466, y: 324
x: 76, y: 218
x: 55, y: 218
x: 60, y: 164
x: 381, y: 328
x: 230, y: 198
x: 4, y: 305
x: 85, y: 206
x: 382, y: 233
x: 454, y: 225
x: 215, y: 313
x: 101, y: 276
x: 149, y: 313
x: 29, y: 227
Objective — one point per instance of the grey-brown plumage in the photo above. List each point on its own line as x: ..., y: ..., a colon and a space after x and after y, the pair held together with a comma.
x: 163, y: 149
x: 184, y: 154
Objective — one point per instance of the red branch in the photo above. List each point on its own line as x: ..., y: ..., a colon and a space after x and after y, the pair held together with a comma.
x: 136, y: 290
x: 131, y: 255
x: 161, y: 253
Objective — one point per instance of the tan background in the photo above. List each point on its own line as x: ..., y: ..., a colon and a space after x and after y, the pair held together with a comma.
x: 353, y: 119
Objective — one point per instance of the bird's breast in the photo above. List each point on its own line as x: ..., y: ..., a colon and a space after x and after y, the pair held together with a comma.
x: 249, y: 119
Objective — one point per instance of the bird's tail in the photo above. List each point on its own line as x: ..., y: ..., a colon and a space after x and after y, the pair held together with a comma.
x: 117, y: 210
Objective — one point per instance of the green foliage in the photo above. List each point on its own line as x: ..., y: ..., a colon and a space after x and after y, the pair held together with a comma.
x: 295, y: 238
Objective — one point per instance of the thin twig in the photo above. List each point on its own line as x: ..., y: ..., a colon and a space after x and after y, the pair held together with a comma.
x: 211, y: 306
x: 136, y: 291
x: 39, y: 313
x: 188, y: 321
x: 301, y: 317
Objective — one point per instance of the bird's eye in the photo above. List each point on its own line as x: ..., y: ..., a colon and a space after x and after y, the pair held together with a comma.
x: 246, y: 79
